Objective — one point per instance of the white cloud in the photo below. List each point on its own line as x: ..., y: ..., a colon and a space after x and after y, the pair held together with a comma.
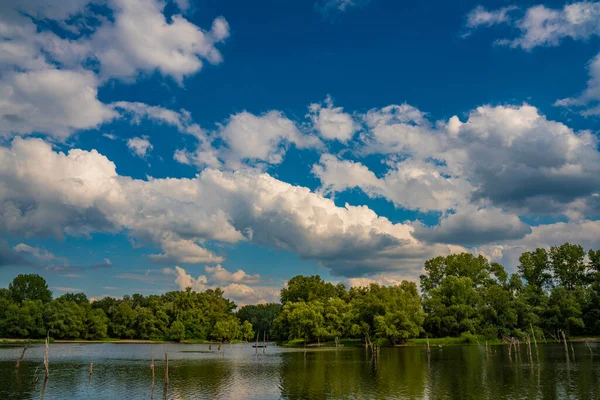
x: 139, y: 145
x: 474, y: 226
x: 261, y: 138
x: 479, y: 16
x: 184, y: 251
x: 44, y: 192
x: 57, y: 102
x: 220, y: 275
x: 48, y: 84
x: 400, y: 130
x: 410, y: 184
x: 37, y: 252
x: 136, y: 111
x: 142, y: 40
x: 543, y: 26
x: 327, y: 7
x: 590, y: 98
x: 246, y: 139
x: 331, y: 122
x: 234, y: 285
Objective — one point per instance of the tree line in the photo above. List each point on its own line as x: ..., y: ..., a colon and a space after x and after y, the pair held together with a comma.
x: 460, y: 294
x: 27, y: 310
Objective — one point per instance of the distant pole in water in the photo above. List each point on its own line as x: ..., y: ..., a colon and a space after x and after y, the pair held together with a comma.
x: 256, y: 346
x: 152, y: 368
x: 565, y: 343
x: 166, y: 368
x: 91, y: 367
x: 46, y: 357
x: 21, y: 358
x: 264, y: 341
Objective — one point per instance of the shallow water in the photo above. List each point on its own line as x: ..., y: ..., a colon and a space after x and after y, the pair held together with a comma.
x: 122, y: 371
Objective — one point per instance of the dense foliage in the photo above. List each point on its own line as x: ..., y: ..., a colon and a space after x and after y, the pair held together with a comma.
x: 460, y: 294
x: 32, y: 313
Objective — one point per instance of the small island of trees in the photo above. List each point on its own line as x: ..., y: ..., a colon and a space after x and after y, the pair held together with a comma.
x: 461, y: 295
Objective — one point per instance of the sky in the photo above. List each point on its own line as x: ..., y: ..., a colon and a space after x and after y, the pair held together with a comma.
x: 147, y: 146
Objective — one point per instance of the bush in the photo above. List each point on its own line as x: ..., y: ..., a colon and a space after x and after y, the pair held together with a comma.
x: 468, y: 338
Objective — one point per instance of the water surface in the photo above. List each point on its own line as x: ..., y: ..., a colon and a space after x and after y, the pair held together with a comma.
x: 122, y: 371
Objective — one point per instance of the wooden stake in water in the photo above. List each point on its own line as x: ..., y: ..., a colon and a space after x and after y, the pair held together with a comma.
x: 565, y: 343
x: 152, y: 368
x: 166, y: 368
x: 256, y: 345
x: 21, y: 358
x: 264, y: 341
x: 46, y: 357
x: 91, y: 367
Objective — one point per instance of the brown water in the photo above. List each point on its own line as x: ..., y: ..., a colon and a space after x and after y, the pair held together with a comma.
x: 122, y: 371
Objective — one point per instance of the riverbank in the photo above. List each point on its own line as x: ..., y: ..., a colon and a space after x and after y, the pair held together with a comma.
x: 107, y: 340
x: 433, y: 342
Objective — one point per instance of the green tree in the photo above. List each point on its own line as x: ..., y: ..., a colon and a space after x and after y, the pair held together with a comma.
x: 24, y: 321
x: 261, y: 316
x: 29, y: 287
x: 308, y: 288
x: 567, y: 261
x: 177, y: 331
x: 247, y: 333
x: 534, y: 267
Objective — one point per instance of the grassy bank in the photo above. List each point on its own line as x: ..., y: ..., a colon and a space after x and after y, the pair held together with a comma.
x: 110, y: 340
x: 475, y: 340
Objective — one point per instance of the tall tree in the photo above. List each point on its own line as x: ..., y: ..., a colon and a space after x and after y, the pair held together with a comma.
x: 29, y: 287
x: 568, y: 265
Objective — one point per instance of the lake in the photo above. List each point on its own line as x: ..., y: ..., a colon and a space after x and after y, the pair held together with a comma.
x: 122, y: 371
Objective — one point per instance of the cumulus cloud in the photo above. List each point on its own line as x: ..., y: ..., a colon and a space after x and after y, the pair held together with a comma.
x: 517, y: 158
x: 52, y: 101
x: 136, y: 112
x: 49, y: 84
x: 411, y: 184
x: 261, y: 138
x: 543, y: 26
x: 589, y: 100
x: 141, y: 40
x: 473, y: 227
x: 480, y: 16
x: 36, y: 252
x: 399, y: 130
x: 501, y: 162
x: 236, y: 286
x: 512, y: 156
x: 247, y: 139
x: 220, y: 275
x: 331, y: 122
x: 50, y: 193
x: 139, y: 146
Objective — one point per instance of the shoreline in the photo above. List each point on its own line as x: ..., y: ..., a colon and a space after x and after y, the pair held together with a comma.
x: 344, y: 343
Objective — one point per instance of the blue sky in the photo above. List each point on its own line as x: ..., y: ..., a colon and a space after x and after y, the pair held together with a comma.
x: 147, y: 146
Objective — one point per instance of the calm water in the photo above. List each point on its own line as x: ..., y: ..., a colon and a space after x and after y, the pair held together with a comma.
x: 122, y: 371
